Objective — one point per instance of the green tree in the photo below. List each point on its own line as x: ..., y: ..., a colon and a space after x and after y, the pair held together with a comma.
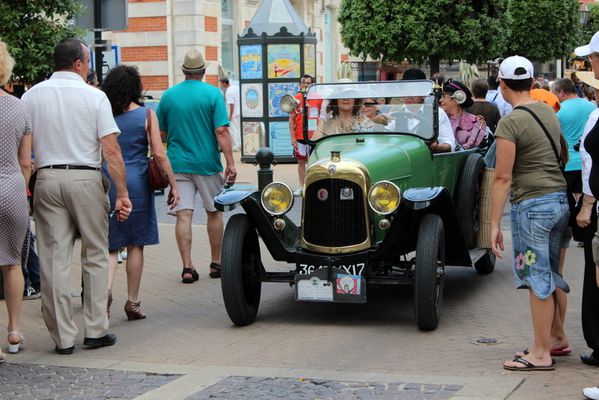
x: 592, y: 25
x: 471, y: 30
x: 544, y: 29
x: 31, y: 29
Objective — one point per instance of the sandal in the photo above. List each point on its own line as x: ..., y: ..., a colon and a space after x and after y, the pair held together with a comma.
x: 133, y: 310
x: 214, y: 270
x: 14, y: 347
x: 194, y: 276
x: 528, y: 366
x: 2, y: 357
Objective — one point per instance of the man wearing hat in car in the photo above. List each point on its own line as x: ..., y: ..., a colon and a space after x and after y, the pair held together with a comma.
x: 193, y: 118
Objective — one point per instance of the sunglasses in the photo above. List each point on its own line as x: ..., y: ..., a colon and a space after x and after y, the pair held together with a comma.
x: 370, y: 104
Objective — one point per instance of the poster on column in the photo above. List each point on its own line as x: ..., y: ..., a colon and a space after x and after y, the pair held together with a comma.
x: 280, y: 139
x: 250, y: 61
x: 310, y: 60
x: 252, y: 137
x: 275, y: 92
x: 251, y: 100
x: 283, y: 61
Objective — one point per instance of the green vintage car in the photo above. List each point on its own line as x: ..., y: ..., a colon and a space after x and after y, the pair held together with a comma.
x: 378, y: 206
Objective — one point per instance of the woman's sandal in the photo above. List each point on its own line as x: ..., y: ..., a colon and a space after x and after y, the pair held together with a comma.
x: 214, y: 270
x: 133, y: 311
x: 527, y: 366
x: 193, y: 275
x: 14, y: 347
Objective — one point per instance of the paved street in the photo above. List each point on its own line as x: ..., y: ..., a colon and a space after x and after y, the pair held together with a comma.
x: 187, y: 348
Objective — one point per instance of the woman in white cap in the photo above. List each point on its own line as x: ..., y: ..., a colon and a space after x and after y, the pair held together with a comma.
x: 528, y: 163
x: 589, y: 152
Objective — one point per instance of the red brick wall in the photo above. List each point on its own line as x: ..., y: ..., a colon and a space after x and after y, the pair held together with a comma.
x: 210, y: 24
x: 144, y: 53
x: 146, y: 24
x: 155, y: 82
x: 211, y: 53
x: 212, y: 79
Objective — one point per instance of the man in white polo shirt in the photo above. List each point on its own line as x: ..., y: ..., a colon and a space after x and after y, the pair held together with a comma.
x: 73, y: 127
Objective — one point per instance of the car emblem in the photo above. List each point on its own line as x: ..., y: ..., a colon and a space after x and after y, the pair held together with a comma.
x: 322, y: 194
x: 332, y: 169
x: 347, y: 194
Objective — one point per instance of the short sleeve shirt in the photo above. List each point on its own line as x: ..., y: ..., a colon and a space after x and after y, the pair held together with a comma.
x: 536, y: 170
x: 190, y: 112
x: 572, y: 117
x: 69, y: 118
x: 232, y: 97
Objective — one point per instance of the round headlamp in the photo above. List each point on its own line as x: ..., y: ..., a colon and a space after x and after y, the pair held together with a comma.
x: 277, y: 198
x: 384, y: 197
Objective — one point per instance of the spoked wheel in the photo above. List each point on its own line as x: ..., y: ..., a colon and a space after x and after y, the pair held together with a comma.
x: 429, y: 276
x: 240, y: 278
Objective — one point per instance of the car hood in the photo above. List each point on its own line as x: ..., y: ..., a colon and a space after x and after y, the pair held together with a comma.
x: 394, y: 157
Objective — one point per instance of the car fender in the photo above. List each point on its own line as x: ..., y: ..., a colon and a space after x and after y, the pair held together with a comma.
x: 416, y: 202
x: 229, y: 199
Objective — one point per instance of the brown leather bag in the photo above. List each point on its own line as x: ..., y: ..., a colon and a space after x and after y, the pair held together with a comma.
x: 158, y: 178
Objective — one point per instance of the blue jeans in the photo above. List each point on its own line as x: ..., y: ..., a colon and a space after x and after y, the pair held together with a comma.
x: 538, y: 227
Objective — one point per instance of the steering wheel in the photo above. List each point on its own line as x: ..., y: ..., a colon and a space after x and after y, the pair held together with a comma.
x: 401, y: 119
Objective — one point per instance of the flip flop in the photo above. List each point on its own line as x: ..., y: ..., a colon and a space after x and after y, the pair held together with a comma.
x: 555, y: 352
x: 528, y: 366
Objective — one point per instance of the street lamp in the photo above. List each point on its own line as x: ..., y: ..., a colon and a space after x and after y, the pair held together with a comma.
x: 583, y: 13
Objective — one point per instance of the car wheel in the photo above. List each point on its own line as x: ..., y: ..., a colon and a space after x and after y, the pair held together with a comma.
x: 430, y: 272
x: 486, y: 264
x: 468, y: 197
x: 240, y: 280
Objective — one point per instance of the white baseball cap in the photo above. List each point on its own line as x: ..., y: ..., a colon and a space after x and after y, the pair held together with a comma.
x: 516, y: 68
x: 589, y: 48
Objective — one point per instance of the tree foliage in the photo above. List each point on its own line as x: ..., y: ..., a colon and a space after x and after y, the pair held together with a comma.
x: 544, y: 29
x: 471, y: 30
x: 592, y: 25
x: 31, y: 29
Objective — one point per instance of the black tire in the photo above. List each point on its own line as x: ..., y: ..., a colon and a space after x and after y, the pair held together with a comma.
x: 429, y: 277
x: 486, y: 264
x: 240, y: 280
x: 468, y: 198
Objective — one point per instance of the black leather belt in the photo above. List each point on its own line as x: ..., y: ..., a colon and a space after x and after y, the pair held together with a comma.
x: 68, y: 166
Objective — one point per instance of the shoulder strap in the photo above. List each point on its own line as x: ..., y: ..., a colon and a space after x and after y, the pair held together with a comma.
x: 495, y: 97
x: 528, y: 110
x: 149, y: 126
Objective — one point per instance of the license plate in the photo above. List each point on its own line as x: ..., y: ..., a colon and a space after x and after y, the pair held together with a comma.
x: 314, y: 289
x: 352, y: 265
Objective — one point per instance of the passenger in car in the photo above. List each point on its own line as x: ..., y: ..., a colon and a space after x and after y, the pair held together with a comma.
x: 370, y: 108
x: 469, y: 130
x: 344, y: 117
x: 445, y: 140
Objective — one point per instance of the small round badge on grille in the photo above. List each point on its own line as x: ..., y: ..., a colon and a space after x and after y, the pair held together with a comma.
x: 332, y: 169
x: 322, y: 194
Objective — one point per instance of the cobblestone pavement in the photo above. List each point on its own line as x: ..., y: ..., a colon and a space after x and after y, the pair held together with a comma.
x: 241, y: 387
x: 30, y: 382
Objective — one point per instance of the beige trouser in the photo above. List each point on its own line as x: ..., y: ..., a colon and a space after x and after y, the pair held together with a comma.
x: 67, y: 202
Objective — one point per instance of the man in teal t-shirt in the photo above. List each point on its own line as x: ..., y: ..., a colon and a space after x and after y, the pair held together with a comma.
x: 193, y: 118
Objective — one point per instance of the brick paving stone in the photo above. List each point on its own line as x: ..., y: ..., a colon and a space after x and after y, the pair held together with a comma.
x: 297, y: 389
x: 41, y: 382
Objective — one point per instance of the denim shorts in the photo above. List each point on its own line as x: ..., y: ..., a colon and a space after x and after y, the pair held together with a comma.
x: 538, y: 227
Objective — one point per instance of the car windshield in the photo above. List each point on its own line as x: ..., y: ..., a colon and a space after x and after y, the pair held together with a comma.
x: 407, y: 107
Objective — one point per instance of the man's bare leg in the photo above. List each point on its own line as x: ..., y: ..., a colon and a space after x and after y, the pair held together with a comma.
x: 183, y: 236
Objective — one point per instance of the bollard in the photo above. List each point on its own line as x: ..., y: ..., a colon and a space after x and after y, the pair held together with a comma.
x: 264, y: 158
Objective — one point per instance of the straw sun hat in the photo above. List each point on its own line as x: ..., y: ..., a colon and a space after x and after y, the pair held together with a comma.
x: 588, y: 77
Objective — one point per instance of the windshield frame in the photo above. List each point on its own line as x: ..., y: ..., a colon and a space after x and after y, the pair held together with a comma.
x: 374, y: 89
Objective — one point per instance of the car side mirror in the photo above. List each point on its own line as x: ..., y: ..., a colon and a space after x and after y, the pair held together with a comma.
x: 289, y: 103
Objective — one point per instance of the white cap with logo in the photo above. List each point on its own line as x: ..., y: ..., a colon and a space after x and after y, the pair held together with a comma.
x: 516, y: 68
x: 592, y: 47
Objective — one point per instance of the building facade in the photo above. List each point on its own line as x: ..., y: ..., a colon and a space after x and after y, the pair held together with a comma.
x: 160, y: 32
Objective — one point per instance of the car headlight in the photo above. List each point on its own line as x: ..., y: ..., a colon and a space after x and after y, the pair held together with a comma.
x: 384, y: 197
x: 277, y: 198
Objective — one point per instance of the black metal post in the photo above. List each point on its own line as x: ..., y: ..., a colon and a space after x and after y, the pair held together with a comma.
x: 98, y: 49
x: 264, y: 158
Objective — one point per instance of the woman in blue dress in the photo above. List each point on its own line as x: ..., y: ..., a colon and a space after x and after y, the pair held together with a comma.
x: 124, y: 90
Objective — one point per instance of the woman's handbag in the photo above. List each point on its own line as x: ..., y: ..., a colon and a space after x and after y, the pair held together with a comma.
x: 158, y: 179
